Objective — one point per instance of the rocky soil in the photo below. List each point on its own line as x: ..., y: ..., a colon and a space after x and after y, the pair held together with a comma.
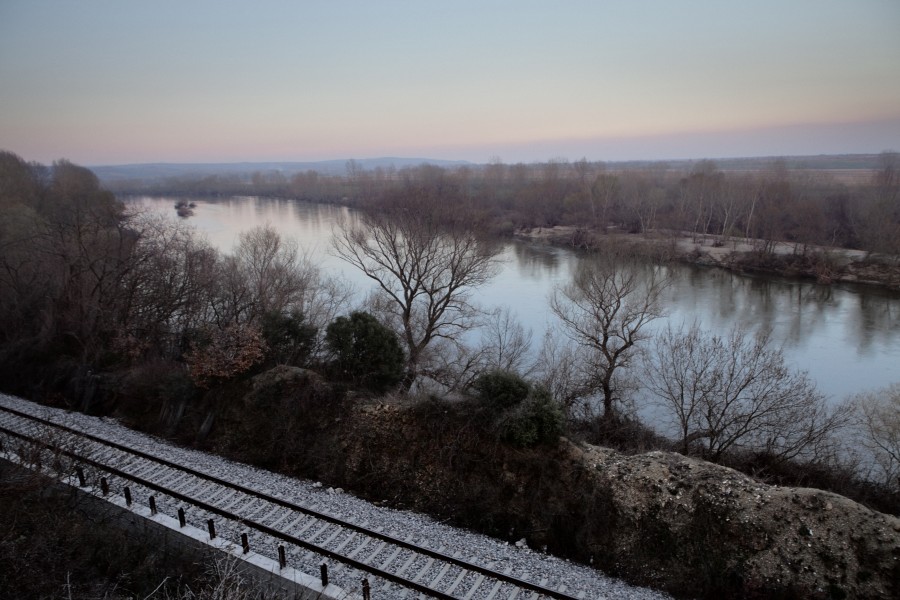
x: 817, y: 543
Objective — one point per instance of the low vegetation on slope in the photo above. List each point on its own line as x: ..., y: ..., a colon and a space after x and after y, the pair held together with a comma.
x: 657, y: 518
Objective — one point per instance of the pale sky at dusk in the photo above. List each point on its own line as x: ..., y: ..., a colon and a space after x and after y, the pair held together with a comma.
x: 112, y: 82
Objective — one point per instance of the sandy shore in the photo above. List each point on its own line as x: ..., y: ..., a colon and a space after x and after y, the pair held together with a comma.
x: 822, y: 263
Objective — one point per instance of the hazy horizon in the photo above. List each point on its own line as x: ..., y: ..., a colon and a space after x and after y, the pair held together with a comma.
x: 109, y: 83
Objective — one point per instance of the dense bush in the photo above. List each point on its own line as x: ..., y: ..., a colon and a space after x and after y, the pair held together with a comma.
x: 223, y: 354
x: 267, y: 421
x: 524, y: 415
x: 290, y: 339
x: 50, y: 547
x: 365, y: 352
x: 155, y: 393
x: 499, y: 390
x: 536, y: 420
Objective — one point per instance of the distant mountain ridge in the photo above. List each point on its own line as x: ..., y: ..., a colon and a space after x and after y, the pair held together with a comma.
x: 159, y: 171
x: 325, y: 167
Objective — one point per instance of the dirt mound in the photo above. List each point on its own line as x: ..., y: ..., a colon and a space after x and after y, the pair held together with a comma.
x: 767, y: 538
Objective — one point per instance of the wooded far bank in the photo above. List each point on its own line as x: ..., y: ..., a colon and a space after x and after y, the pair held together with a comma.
x: 850, y: 201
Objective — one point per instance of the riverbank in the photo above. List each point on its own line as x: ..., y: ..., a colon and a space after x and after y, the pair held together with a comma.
x: 822, y: 264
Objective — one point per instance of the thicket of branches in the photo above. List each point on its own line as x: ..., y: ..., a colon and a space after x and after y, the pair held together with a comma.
x: 769, y: 203
x: 424, y: 266
x: 86, y: 283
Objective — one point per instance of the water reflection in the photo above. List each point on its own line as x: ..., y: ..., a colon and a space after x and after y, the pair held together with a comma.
x: 847, y: 337
x: 536, y: 260
x: 876, y: 320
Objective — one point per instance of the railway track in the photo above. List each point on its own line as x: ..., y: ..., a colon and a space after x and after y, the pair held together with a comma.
x: 393, y: 565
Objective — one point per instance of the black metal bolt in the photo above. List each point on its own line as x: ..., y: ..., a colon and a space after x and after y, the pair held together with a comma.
x: 245, y: 543
x: 152, y: 505
x: 365, y: 589
x: 127, y: 496
x: 282, y: 559
x: 104, y: 486
x: 181, y: 520
x: 79, y: 472
x: 212, y: 529
x: 324, y: 571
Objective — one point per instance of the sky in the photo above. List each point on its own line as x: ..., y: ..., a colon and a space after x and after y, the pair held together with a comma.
x: 109, y: 82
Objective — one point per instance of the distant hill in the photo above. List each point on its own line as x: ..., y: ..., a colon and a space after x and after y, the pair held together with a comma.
x: 149, y: 172
x: 816, y: 162
x: 154, y: 171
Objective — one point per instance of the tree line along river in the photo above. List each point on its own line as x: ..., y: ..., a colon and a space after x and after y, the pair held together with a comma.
x: 847, y: 337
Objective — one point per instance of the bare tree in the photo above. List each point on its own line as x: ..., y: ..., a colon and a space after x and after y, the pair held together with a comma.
x: 84, y: 247
x: 644, y: 194
x: 881, y: 210
x: 276, y: 274
x: 736, y: 192
x: 566, y: 373
x: 698, y: 194
x: 775, y: 197
x: 605, y: 310
x: 26, y: 282
x: 505, y: 342
x: 735, y: 392
x: 605, y: 190
x: 504, y: 346
x: 168, y: 290
x: 269, y: 274
x: 879, y: 433
x: 424, y: 273
x: 683, y: 377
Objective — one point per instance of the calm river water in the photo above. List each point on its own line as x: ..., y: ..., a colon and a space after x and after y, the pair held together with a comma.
x: 846, y: 337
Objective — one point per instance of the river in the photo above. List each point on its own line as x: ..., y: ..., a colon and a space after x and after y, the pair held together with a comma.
x: 846, y: 337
